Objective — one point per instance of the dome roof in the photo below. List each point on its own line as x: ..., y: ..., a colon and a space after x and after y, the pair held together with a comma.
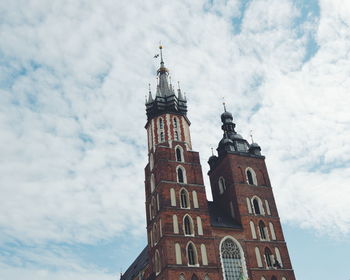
x: 236, y: 136
x: 254, y: 145
x: 225, y: 116
x: 225, y: 141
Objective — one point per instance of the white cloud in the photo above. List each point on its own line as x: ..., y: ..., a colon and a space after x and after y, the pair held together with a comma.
x: 73, y: 76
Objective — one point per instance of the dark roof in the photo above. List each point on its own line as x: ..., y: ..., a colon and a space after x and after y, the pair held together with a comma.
x: 139, y: 264
x: 219, y: 219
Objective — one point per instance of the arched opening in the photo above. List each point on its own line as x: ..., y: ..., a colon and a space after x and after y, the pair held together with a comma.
x: 181, y: 175
x: 256, y: 206
x: 250, y: 177
x: 232, y: 260
x: 262, y: 230
x: 176, y: 136
x: 178, y: 153
x: 191, y: 254
x: 268, y: 257
x: 274, y: 278
x: 184, y: 203
x: 194, y: 277
x: 182, y: 277
x: 188, y: 225
x: 157, y: 262
x: 222, y: 185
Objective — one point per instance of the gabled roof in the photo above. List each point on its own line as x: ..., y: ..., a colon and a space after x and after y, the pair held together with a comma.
x: 139, y: 264
x: 218, y: 218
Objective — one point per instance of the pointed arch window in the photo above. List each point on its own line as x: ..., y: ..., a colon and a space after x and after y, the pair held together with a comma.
x: 157, y: 262
x: 222, y: 185
x: 181, y: 174
x: 206, y: 277
x: 231, y: 260
x: 256, y: 206
x: 182, y: 277
x: 179, y: 154
x: 274, y: 278
x: 191, y: 254
x: 161, y: 124
x: 262, y: 230
x: 251, y: 176
x: 176, y: 135
x: 194, y: 277
x: 268, y: 257
x: 184, y: 203
x: 188, y: 225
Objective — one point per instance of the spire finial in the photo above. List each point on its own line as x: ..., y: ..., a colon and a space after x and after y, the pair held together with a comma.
x: 223, y: 103
x: 149, y: 87
x: 212, y: 151
x: 161, y: 52
x: 251, y: 135
x: 178, y: 85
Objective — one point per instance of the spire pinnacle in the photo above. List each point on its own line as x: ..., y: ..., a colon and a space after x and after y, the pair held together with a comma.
x: 223, y: 103
x: 161, y: 52
x: 212, y: 151
x: 251, y: 136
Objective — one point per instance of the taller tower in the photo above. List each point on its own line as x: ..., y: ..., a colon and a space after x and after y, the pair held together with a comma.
x: 238, y: 235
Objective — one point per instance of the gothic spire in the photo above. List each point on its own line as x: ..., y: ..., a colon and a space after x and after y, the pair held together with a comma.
x: 163, y: 74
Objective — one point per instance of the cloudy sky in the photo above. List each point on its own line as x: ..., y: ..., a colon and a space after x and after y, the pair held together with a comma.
x: 73, y: 79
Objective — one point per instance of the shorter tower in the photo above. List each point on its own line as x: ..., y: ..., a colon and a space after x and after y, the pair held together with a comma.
x: 238, y: 235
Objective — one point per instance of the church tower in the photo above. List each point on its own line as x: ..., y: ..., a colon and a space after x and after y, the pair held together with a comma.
x: 178, y: 223
x: 238, y: 235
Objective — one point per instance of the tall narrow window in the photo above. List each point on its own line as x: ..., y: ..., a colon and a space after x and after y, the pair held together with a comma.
x: 222, y: 185
x: 272, y: 229
x: 256, y: 206
x: 262, y: 230
x: 161, y: 125
x: 175, y: 123
x: 191, y: 254
x: 250, y: 177
x: 278, y: 260
x: 157, y: 262
x: 161, y: 136
x: 178, y: 154
x: 252, y: 229
x: 172, y: 197
x: 178, y: 258
x: 176, y: 135
x: 184, y: 199
x: 204, y: 255
x: 180, y: 175
x: 199, y: 226
x: 268, y: 257
x: 175, y: 224
x: 258, y: 257
x: 231, y: 260
x: 195, y: 199
x: 153, y: 184
x: 188, y: 226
